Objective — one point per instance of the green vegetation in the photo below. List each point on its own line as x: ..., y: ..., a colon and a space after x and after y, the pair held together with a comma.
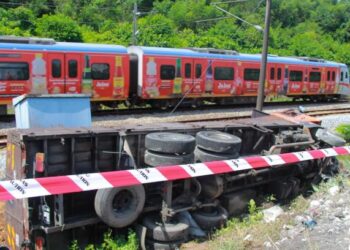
x: 344, y: 131
x: 112, y: 243
x: 319, y: 28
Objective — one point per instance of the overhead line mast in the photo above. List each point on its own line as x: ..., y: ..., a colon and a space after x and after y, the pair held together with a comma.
x: 262, y: 77
x: 134, y: 27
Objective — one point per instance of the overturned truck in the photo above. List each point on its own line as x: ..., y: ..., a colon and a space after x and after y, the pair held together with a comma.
x: 160, y: 210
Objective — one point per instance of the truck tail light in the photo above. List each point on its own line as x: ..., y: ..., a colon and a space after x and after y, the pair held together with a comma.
x: 39, y: 162
x: 39, y: 243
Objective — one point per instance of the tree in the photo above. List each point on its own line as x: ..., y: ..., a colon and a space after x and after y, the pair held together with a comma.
x: 185, y: 13
x: 59, y: 27
x: 155, y: 30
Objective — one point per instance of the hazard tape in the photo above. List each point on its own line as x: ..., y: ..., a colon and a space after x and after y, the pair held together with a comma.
x: 26, y: 188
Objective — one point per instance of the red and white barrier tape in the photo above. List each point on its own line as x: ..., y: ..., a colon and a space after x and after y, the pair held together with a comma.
x: 18, y: 189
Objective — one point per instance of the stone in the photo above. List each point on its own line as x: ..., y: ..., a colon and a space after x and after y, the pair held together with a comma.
x: 249, y: 237
x: 333, y: 190
x: 315, y: 204
x: 339, y: 214
x: 287, y: 227
x: 267, y: 244
x: 341, y: 201
x: 272, y: 213
x: 328, y: 203
x: 299, y: 219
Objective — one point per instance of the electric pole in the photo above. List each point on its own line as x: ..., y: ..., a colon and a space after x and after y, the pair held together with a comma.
x: 134, y: 27
x: 262, y: 77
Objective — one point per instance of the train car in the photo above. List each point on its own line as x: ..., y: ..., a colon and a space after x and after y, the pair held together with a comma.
x: 161, y: 77
x: 224, y: 76
x: 43, y: 66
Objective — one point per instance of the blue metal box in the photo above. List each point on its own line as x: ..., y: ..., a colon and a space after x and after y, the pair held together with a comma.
x: 59, y: 110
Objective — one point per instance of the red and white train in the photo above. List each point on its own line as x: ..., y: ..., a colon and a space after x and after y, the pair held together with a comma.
x: 114, y: 74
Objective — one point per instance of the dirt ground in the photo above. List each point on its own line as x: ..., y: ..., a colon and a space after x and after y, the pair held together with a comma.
x: 2, y: 223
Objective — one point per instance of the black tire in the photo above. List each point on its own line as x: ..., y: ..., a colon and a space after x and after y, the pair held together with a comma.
x: 172, y: 143
x: 202, y: 155
x: 212, y: 219
x: 176, y: 229
x: 120, y: 207
x: 156, y: 159
x: 220, y: 142
x: 154, y: 245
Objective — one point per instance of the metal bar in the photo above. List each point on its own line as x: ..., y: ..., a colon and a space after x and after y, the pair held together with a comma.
x: 289, y: 145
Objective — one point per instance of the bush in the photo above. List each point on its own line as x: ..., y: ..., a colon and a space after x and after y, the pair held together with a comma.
x: 344, y: 130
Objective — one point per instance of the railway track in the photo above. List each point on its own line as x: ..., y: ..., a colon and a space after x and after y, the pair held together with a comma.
x: 314, y: 113
x: 149, y: 110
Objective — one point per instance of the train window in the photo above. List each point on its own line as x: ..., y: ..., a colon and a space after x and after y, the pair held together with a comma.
x: 72, y: 68
x: 328, y: 75
x: 315, y: 76
x: 296, y: 76
x: 198, y: 70
x: 333, y: 76
x: 342, y: 76
x: 272, y: 74
x: 279, y: 74
x: 251, y: 74
x: 188, y: 73
x: 100, y: 71
x: 224, y: 73
x: 14, y: 71
x: 56, y: 68
x: 346, y: 75
x: 167, y: 72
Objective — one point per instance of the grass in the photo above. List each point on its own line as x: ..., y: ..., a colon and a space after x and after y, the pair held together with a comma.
x: 110, y: 242
x: 232, y: 237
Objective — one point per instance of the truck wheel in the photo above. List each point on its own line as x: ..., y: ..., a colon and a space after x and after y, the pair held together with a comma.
x: 120, y: 207
x: 220, y: 142
x: 202, y: 155
x: 175, y: 230
x: 156, y: 159
x: 212, y: 186
x: 213, y: 218
x: 172, y: 143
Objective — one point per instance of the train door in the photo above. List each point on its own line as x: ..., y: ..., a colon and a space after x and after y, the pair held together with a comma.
x: 270, y: 83
x: 203, y: 77
x: 330, y: 80
x: 274, y: 79
x: 101, y: 76
x: 188, y: 76
x: 224, y: 78
x: 314, y: 80
x: 296, y: 80
x: 56, y: 73
x: 72, y: 73
x: 344, y: 84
